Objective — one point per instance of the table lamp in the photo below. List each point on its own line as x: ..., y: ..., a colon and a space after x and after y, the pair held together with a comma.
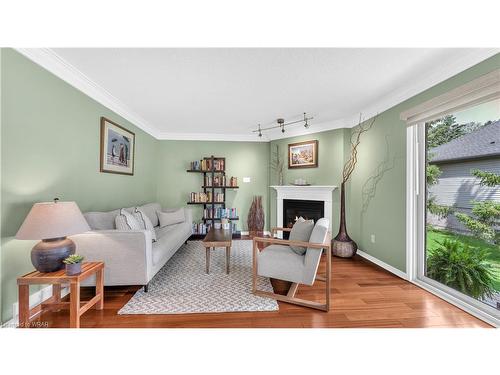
x: 51, y: 222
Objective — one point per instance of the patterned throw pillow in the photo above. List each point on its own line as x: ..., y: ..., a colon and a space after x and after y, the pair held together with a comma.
x: 126, y: 221
x: 301, y: 231
x: 144, y: 222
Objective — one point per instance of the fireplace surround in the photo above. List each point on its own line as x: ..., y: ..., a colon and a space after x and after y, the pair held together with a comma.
x: 312, y: 193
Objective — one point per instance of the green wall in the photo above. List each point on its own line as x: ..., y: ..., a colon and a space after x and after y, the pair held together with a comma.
x: 50, y: 148
x: 331, y: 156
x: 377, y: 195
x: 243, y: 159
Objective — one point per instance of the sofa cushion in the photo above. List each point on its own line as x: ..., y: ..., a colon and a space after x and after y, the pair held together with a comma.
x: 151, y: 210
x: 301, y: 231
x: 144, y: 222
x: 101, y: 220
x: 126, y: 221
x: 171, y: 217
x: 170, y: 238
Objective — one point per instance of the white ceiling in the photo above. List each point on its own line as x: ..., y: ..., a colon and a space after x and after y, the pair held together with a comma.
x: 224, y: 93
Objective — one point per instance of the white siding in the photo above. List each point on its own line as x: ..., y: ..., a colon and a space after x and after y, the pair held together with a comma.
x: 457, y: 187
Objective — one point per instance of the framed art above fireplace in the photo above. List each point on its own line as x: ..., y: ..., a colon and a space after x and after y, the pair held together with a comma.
x: 303, y: 154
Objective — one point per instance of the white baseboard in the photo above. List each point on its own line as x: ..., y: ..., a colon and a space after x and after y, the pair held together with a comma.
x: 35, y: 299
x: 384, y: 265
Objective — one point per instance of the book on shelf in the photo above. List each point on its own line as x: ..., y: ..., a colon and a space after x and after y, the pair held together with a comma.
x: 206, y: 165
x: 219, y: 181
x: 206, y: 197
x: 202, y: 228
x: 220, y: 213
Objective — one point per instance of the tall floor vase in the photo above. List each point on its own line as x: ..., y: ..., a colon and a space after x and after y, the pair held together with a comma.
x: 342, y: 245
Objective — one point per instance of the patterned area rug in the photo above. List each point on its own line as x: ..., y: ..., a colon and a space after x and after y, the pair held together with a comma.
x: 183, y: 287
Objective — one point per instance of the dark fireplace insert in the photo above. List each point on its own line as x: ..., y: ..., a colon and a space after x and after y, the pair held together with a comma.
x: 295, y: 208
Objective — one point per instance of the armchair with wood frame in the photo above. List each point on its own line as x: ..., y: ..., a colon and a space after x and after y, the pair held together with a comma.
x: 279, y: 261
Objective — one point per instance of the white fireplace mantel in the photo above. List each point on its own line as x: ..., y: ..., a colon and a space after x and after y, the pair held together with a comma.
x: 310, y: 193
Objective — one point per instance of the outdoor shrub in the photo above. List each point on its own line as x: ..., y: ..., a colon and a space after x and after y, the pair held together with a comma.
x: 461, y: 267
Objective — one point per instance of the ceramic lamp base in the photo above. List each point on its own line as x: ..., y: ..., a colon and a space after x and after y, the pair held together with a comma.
x: 48, y: 255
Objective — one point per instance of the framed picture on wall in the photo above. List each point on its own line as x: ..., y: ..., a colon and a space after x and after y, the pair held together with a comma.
x: 117, y: 148
x: 303, y: 154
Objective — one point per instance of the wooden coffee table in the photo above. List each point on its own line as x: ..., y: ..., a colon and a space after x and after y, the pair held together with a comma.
x: 218, y: 238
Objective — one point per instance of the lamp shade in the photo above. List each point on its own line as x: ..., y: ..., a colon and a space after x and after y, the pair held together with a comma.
x: 52, y: 220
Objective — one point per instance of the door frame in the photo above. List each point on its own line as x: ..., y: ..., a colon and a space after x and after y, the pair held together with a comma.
x: 483, y: 89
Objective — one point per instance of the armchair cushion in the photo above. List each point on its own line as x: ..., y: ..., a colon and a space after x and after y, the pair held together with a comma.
x: 280, y: 262
x: 301, y: 231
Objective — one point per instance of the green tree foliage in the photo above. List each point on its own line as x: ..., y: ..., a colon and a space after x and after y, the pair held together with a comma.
x: 432, y: 173
x: 486, y: 178
x: 443, y: 130
x: 485, y: 218
x: 463, y: 268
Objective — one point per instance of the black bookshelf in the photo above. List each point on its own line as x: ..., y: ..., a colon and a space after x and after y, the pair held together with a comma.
x: 213, y: 188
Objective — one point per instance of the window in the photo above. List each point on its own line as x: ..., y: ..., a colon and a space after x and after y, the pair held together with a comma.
x: 453, y: 196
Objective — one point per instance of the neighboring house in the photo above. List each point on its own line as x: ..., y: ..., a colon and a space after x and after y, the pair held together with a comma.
x: 456, y: 159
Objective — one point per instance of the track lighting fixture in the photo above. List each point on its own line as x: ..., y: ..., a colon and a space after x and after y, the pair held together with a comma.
x: 281, y: 124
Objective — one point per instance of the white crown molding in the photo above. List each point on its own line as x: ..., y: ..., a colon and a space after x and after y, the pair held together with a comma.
x: 213, y: 137
x: 58, y: 66
x: 398, y: 96
x: 51, y: 61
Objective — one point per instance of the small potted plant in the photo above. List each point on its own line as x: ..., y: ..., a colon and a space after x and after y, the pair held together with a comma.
x: 73, y: 264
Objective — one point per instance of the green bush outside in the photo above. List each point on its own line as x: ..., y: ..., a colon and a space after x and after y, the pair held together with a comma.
x: 435, y: 237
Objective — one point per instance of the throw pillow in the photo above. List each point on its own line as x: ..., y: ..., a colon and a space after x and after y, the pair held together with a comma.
x: 171, y: 218
x: 126, y: 221
x: 144, y: 222
x: 301, y: 231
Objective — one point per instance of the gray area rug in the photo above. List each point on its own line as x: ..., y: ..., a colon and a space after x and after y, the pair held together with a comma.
x: 183, y: 287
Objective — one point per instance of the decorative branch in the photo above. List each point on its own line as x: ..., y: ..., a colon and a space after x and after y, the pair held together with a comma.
x: 361, y: 128
x: 277, y: 163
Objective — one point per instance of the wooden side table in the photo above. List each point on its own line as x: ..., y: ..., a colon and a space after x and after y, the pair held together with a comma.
x: 56, y: 279
x: 217, y: 238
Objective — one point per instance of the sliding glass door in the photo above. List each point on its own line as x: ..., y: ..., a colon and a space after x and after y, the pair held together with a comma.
x: 458, y: 224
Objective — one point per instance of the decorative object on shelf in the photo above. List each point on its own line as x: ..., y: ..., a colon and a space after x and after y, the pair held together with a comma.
x: 300, y: 182
x: 73, y: 264
x: 255, y: 220
x: 277, y: 163
x: 117, y: 148
x: 281, y: 125
x: 303, y: 154
x: 342, y: 245
x: 51, y: 222
x: 225, y: 224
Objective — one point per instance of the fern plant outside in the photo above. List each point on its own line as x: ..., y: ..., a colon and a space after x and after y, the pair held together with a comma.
x: 462, y: 267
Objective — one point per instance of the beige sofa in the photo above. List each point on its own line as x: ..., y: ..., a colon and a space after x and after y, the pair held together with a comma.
x: 130, y: 257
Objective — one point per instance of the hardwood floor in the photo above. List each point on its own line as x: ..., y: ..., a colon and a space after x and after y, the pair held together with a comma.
x: 363, y: 295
